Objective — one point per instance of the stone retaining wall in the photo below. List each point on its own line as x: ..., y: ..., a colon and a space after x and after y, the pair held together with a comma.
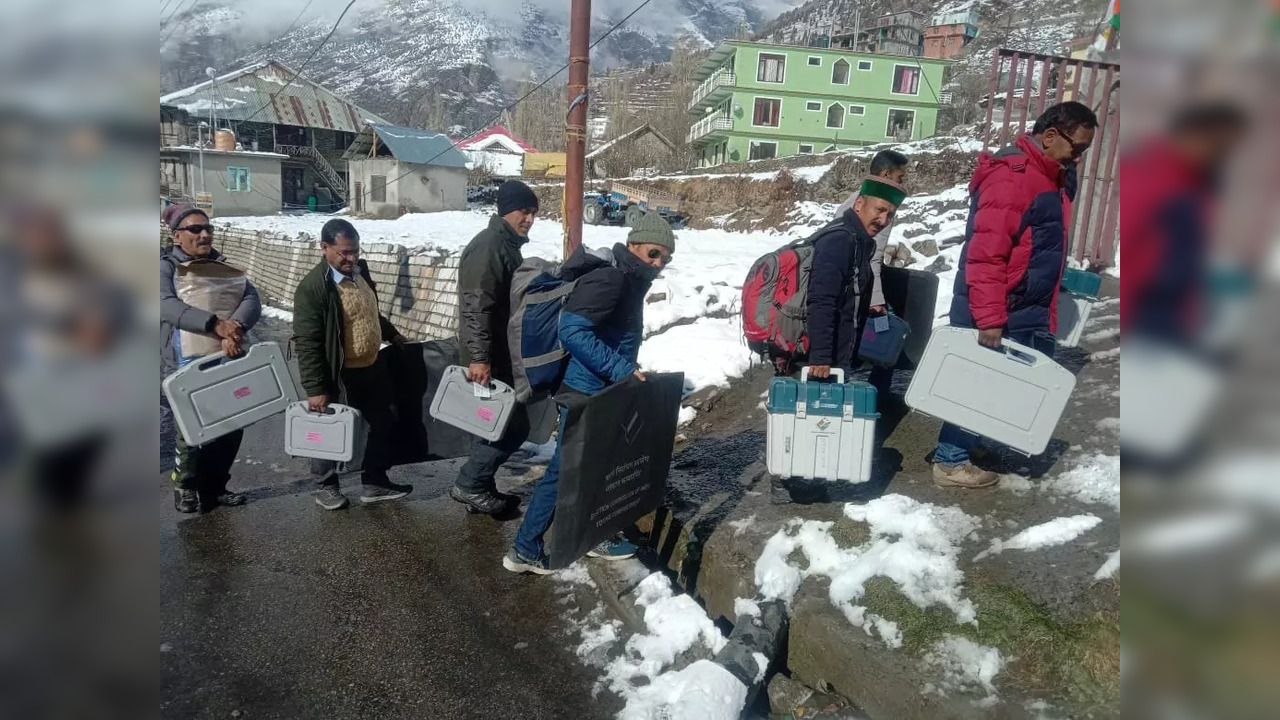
x: 417, y: 291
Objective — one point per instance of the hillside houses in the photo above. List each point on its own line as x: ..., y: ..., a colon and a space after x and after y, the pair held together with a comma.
x: 257, y: 141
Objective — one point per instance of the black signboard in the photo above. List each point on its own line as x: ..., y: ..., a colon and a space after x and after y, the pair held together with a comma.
x: 615, y: 453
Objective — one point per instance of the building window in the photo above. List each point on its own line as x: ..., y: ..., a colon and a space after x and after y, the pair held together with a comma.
x: 763, y: 150
x: 864, y: 65
x: 378, y: 188
x: 901, y: 124
x: 767, y: 112
x: 840, y: 73
x: 813, y: 106
x: 857, y: 110
x: 806, y: 149
x: 906, y: 80
x: 238, y: 179
x: 771, y: 68
x: 815, y: 61
x: 835, y: 116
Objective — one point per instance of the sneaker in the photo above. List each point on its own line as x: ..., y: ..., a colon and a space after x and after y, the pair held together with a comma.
x: 963, y: 476
x: 330, y: 497
x: 382, y: 493
x: 186, y: 501
x: 518, y: 563
x: 615, y: 549
x: 483, y: 503
x: 230, y: 499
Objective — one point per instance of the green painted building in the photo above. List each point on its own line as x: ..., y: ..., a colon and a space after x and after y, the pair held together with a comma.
x: 758, y: 101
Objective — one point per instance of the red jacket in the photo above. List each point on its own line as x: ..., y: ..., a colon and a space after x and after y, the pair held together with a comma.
x: 1016, y: 242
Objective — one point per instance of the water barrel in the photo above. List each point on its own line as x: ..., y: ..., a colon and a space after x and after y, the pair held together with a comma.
x: 224, y: 140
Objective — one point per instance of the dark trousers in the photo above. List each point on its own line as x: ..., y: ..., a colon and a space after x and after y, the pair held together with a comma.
x: 369, y: 391
x: 486, y: 457
x: 206, y: 469
x: 61, y: 476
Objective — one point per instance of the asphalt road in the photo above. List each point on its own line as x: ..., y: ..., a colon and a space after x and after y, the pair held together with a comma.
x: 280, y: 609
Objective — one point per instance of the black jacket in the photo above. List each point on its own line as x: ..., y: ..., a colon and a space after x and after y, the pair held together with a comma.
x: 840, y: 277
x: 317, y: 330
x: 602, y: 324
x: 484, y: 296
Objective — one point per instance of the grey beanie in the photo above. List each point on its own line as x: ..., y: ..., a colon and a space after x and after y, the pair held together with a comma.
x: 652, y: 229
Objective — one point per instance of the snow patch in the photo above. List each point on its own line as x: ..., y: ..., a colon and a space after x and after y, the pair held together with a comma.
x: 1058, y: 531
x: 277, y: 313
x: 965, y: 665
x: 740, y: 526
x: 673, y: 625
x: 1109, y: 568
x: 744, y: 606
x: 702, y: 691
x: 1095, y: 480
x: 914, y: 544
x: 576, y: 574
x: 710, y: 352
x: 686, y: 416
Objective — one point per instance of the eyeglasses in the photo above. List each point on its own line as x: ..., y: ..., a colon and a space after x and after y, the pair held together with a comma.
x: 1077, y: 149
x: 655, y: 253
x: 197, y: 229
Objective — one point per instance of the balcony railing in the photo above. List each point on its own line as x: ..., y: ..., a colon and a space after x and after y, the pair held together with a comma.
x: 718, y: 79
x: 708, y: 125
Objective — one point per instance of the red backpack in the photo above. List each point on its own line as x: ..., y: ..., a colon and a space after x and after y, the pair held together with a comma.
x: 775, y: 301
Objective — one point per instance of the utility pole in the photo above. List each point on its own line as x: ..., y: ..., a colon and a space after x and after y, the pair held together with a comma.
x: 575, y: 129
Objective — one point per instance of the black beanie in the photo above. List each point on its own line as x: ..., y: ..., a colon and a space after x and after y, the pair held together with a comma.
x: 514, y: 195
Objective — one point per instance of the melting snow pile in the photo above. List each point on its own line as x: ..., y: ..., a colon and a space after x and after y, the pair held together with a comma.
x: 1095, y: 480
x: 1058, y: 531
x: 965, y: 665
x: 702, y: 691
x: 673, y: 625
x: 917, y: 545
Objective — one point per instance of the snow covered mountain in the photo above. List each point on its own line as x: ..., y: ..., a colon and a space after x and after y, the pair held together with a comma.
x: 419, y: 60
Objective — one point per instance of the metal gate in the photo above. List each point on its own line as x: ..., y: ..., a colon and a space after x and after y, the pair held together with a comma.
x: 1022, y: 85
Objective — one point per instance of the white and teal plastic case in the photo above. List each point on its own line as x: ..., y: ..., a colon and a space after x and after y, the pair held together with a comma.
x: 1075, y: 303
x: 821, y: 430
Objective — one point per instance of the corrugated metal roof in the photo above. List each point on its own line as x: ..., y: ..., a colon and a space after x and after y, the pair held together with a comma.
x: 420, y: 146
x: 247, y: 94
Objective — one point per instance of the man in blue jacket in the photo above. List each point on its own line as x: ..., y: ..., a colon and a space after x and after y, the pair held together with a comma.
x: 601, y: 328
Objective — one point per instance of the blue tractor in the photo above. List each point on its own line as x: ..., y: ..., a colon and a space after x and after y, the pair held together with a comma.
x: 623, y: 205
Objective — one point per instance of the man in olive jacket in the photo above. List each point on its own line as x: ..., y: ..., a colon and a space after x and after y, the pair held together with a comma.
x: 484, y: 307
x: 338, y: 331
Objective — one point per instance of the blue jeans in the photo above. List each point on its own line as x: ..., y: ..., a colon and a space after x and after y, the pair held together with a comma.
x: 955, y: 443
x: 541, y: 507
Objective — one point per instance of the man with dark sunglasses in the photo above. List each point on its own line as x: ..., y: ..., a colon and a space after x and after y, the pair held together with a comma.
x: 1014, y: 255
x: 601, y: 327
x: 206, y: 306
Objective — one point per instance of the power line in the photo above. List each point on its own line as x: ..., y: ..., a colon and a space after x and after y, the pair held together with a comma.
x: 294, y: 24
x: 173, y: 15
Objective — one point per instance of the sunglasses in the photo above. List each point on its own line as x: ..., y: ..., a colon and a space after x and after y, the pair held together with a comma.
x: 655, y: 254
x: 1077, y: 149
x: 197, y: 229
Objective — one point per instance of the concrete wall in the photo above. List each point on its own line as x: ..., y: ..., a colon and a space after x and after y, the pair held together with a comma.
x: 445, y: 188
x: 417, y: 292
x: 263, y: 196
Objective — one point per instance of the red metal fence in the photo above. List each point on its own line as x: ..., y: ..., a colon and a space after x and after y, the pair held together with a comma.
x: 1022, y: 85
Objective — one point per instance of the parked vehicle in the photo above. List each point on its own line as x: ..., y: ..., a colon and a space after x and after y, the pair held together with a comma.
x: 624, y: 204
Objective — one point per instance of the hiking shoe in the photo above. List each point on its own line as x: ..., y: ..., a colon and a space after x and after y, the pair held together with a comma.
x: 518, y: 563
x: 330, y: 497
x: 382, y: 493
x: 615, y: 549
x: 964, y: 476
x: 230, y: 499
x: 483, y: 503
x: 186, y: 501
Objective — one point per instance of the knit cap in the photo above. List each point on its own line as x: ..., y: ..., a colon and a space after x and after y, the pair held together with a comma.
x: 652, y: 229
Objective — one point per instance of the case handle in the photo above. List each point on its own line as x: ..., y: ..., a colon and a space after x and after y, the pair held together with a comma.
x: 837, y: 372
x: 210, y: 361
x: 1012, y: 350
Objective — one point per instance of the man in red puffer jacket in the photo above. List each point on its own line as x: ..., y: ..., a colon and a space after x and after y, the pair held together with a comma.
x: 1014, y: 255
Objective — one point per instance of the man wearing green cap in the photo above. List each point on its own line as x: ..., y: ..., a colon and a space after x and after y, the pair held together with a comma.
x: 840, y: 278
x: 601, y: 327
